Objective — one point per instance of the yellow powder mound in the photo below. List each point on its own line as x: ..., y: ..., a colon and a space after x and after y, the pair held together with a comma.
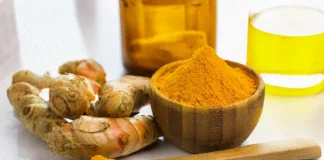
x: 206, y: 80
x: 99, y: 157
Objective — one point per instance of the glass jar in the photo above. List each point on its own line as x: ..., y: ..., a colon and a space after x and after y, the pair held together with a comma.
x: 285, y: 45
x: 157, y: 32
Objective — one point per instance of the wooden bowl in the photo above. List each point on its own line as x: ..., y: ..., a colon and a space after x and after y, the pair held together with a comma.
x: 205, y: 129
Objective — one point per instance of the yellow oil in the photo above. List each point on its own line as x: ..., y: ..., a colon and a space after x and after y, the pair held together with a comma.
x: 286, y: 46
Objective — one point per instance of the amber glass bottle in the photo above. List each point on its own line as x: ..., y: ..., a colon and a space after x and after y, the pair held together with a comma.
x: 157, y: 32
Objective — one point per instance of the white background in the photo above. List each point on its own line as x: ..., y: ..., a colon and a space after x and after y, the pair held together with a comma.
x: 52, y: 32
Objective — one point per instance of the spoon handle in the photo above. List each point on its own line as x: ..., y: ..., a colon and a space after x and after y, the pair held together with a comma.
x: 291, y: 149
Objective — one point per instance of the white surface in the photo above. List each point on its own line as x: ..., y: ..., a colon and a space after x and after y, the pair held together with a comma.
x: 50, y: 34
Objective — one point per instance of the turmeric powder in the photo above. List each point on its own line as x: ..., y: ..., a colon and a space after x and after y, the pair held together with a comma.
x: 206, y: 80
x: 100, y: 157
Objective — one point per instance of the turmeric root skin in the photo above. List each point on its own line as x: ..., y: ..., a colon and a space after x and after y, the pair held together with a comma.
x: 39, y: 81
x: 70, y: 96
x: 110, y: 137
x: 121, y: 98
x: 88, y: 68
x: 33, y: 111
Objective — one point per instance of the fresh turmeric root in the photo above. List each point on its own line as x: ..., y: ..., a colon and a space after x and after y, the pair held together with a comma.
x: 70, y: 96
x: 43, y: 81
x: 84, y: 137
x: 88, y: 68
x: 121, y: 98
x: 39, y: 81
x: 33, y: 111
x: 110, y: 137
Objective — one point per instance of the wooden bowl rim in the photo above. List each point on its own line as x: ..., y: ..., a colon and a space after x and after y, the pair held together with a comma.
x: 253, y: 73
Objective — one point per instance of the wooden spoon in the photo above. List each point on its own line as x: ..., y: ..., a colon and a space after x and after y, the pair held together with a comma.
x: 291, y: 149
